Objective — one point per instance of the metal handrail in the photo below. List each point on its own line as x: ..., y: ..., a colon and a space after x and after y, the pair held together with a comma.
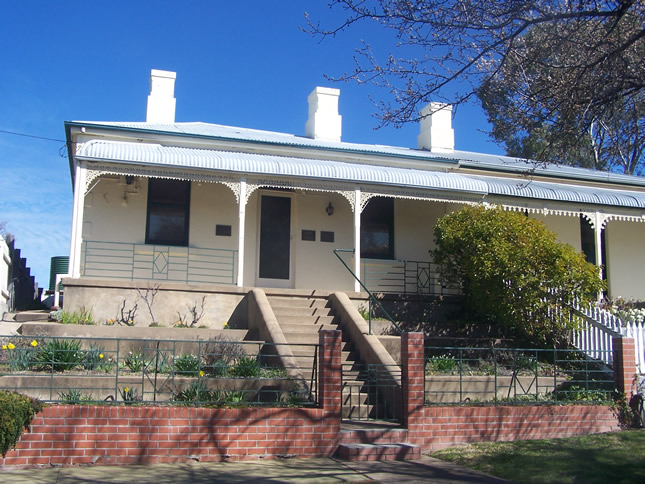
x: 371, y: 296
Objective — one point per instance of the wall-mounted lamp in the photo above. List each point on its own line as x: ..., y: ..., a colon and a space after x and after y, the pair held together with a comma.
x: 330, y: 209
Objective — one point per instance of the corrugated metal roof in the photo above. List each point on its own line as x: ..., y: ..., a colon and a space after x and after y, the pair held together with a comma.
x: 303, y: 168
x: 464, y: 158
x: 561, y: 192
x: 251, y: 163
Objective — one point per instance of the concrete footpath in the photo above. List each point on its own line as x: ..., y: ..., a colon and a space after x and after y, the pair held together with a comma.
x: 426, y: 469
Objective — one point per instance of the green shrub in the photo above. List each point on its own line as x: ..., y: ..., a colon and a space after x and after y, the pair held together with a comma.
x: 186, y: 365
x: 60, y: 355
x: 514, y: 272
x: 220, y: 353
x: 196, y: 392
x: 440, y: 364
x: 16, y: 413
x: 82, y: 316
x: 246, y: 368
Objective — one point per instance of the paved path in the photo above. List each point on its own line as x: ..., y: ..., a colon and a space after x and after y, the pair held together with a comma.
x: 321, y: 470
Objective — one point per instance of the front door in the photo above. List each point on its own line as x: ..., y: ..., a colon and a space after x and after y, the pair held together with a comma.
x: 275, y: 241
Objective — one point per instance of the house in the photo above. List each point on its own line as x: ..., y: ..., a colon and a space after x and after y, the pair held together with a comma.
x: 193, y: 207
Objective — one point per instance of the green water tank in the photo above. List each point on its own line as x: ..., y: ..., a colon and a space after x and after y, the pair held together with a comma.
x: 59, y: 265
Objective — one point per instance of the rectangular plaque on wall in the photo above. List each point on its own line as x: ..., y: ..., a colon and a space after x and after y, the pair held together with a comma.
x: 223, y: 230
x: 326, y: 236
x: 309, y: 235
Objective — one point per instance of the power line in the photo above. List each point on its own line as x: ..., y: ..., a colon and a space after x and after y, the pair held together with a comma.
x: 31, y: 136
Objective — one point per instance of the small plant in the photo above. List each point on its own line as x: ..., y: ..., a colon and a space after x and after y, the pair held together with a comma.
x: 82, y: 316
x: 56, y: 315
x: 576, y: 393
x: 148, y: 295
x: 129, y: 395
x: 74, y: 396
x: 246, y: 367
x: 94, y: 358
x: 20, y: 354
x: 440, y: 364
x: 60, y: 355
x: 196, y: 392
x: 186, y: 365
x: 220, y: 353
x: 135, y: 362
x: 127, y: 316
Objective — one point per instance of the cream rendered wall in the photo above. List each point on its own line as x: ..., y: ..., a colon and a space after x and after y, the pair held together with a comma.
x: 414, y: 222
x: 567, y: 228
x: 212, y: 204
x: 316, y: 266
x: 625, y: 246
x: 107, y: 217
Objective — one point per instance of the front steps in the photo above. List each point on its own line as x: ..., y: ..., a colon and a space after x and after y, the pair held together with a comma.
x: 301, y: 318
x: 375, y: 443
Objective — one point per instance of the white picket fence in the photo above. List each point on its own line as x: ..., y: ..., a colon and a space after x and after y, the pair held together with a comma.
x: 599, y: 327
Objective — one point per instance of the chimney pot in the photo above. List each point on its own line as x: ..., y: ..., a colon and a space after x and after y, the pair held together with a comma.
x: 436, y: 133
x: 324, y: 121
x: 161, y: 101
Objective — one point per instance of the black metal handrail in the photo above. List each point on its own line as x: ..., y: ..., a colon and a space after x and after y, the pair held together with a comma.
x: 371, y: 296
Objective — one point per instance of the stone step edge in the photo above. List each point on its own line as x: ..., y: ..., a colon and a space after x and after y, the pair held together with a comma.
x: 388, y: 451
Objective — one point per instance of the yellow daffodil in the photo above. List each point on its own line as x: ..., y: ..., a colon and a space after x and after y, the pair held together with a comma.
x: 11, y: 346
x: 4, y: 347
x: 126, y: 390
x: 34, y: 343
x: 101, y: 356
x: 201, y: 373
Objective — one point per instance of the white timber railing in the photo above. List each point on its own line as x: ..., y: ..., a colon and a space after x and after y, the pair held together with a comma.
x: 598, y: 327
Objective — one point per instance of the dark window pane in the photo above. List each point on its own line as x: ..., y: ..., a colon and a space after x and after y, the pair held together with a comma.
x: 377, y: 229
x: 309, y: 235
x: 326, y: 236
x: 168, y: 205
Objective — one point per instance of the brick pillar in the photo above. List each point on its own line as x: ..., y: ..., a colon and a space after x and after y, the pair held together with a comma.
x: 329, y: 373
x: 624, y: 364
x: 412, y: 381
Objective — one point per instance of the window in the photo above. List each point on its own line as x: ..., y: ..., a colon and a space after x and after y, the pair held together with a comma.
x: 377, y: 229
x: 588, y: 245
x: 168, y: 208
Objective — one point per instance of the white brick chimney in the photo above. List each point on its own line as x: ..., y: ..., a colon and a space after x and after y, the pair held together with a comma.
x: 436, y: 133
x: 324, y: 121
x: 161, y: 101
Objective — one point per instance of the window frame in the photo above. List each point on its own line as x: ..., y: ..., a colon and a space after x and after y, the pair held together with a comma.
x: 381, y: 213
x: 168, y: 203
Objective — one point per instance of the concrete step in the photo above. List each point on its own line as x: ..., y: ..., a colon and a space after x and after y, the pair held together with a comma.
x: 25, y: 316
x: 300, y: 311
x: 305, y: 320
x: 305, y: 328
x: 373, y: 435
x: 389, y: 451
x: 293, y: 302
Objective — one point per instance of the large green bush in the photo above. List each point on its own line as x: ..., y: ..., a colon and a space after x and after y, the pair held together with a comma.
x: 514, y: 272
x: 16, y: 413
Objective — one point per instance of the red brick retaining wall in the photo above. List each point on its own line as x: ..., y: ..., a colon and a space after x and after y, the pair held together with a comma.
x: 447, y: 426
x: 76, y: 434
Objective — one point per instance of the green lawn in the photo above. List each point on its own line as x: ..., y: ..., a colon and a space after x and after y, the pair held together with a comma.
x: 603, y: 458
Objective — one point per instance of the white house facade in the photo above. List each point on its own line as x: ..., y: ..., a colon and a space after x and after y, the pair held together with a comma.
x: 205, y: 204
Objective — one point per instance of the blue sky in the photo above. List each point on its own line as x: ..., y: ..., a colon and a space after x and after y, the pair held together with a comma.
x: 238, y: 63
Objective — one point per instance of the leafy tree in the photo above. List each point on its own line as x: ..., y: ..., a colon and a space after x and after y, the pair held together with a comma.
x: 514, y: 272
x: 569, y: 69
x: 530, y: 116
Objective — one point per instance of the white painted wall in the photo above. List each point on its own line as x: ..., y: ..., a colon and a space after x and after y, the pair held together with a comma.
x: 567, y: 228
x: 5, y: 263
x: 625, y: 246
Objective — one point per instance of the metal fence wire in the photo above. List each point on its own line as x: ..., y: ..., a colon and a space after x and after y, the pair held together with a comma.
x: 218, y: 371
x: 514, y: 376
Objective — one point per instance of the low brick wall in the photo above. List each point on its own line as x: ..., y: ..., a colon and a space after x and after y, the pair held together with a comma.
x: 77, y: 435
x: 442, y: 427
